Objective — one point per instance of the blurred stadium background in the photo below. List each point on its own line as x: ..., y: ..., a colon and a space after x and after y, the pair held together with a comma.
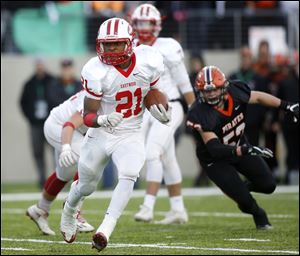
x: 215, y: 30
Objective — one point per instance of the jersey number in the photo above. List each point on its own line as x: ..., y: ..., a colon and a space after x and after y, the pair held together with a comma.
x: 125, y: 108
x: 233, y: 135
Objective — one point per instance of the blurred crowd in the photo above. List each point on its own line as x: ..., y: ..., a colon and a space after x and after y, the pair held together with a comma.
x: 201, y: 24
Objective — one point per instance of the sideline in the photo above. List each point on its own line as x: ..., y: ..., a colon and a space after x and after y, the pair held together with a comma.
x: 136, y: 193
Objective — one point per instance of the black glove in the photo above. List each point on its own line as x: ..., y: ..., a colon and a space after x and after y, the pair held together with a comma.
x: 256, y: 151
x: 292, y: 108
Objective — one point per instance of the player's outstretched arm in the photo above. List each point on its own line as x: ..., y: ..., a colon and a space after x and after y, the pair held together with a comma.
x: 272, y: 101
x: 219, y: 150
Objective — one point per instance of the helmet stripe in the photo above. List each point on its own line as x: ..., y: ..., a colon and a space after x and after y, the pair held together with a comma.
x: 108, y: 28
x: 210, y: 74
x: 204, y: 72
x: 207, y: 75
x: 116, y: 27
x: 142, y: 9
x: 147, y: 12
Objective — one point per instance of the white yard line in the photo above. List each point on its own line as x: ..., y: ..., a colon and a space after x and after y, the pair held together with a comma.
x: 15, y: 249
x: 159, y: 213
x: 248, y: 239
x: 113, y: 245
x: 137, y: 193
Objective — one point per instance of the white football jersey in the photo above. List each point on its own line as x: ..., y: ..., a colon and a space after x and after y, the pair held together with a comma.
x: 175, y: 78
x: 63, y: 112
x: 123, y: 91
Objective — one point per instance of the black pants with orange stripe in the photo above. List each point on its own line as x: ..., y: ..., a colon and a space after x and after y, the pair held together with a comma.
x: 226, y: 176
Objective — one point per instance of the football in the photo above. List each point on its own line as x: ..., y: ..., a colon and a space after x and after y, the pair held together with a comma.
x: 155, y: 97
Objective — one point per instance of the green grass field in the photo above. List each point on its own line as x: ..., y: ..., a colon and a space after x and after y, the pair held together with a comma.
x: 216, y: 227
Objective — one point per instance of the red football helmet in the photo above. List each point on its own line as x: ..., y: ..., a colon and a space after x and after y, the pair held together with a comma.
x: 146, y: 22
x: 211, y: 78
x: 114, y: 30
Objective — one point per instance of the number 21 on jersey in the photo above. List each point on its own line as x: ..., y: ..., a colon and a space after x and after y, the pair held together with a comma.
x: 126, y: 108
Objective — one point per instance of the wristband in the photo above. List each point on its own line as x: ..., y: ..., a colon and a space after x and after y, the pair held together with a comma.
x: 88, y: 119
x: 283, y: 104
x: 69, y: 124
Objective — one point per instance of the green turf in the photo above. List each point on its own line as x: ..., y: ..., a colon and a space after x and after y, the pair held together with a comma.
x: 202, y: 231
x: 187, y: 182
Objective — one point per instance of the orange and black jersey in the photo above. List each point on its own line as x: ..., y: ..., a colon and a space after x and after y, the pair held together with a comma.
x: 228, y: 124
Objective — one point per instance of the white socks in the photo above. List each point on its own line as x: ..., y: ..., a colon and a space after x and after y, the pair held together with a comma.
x: 107, y: 226
x: 118, y: 202
x: 44, y: 204
x: 177, y: 203
x: 149, y: 201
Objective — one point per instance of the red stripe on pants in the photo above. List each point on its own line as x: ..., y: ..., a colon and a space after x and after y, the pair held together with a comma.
x: 53, y: 185
x: 75, y: 177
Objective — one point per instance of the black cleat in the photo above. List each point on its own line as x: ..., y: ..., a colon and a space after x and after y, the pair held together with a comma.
x: 261, y: 220
x: 264, y: 227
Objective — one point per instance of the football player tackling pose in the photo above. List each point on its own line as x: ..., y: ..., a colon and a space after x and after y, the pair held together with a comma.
x: 64, y: 130
x: 218, y: 120
x: 160, y: 145
x: 116, y: 83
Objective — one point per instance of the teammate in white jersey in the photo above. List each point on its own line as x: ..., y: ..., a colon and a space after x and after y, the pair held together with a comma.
x: 160, y: 146
x: 116, y: 83
x: 64, y: 130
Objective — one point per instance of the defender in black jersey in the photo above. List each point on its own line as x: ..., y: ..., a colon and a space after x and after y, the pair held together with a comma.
x: 218, y: 121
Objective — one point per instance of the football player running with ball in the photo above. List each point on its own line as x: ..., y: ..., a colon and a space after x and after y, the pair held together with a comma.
x: 116, y: 83
x: 218, y: 120
x: 161, y: 159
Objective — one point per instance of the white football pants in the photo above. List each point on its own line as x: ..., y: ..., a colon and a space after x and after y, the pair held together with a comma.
x: 160, y: 147
x: 127, y: 152
x: 52, y: 131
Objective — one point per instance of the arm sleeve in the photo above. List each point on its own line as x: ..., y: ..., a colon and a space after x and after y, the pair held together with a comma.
x: 219, y: 151
x: 216, y: 149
